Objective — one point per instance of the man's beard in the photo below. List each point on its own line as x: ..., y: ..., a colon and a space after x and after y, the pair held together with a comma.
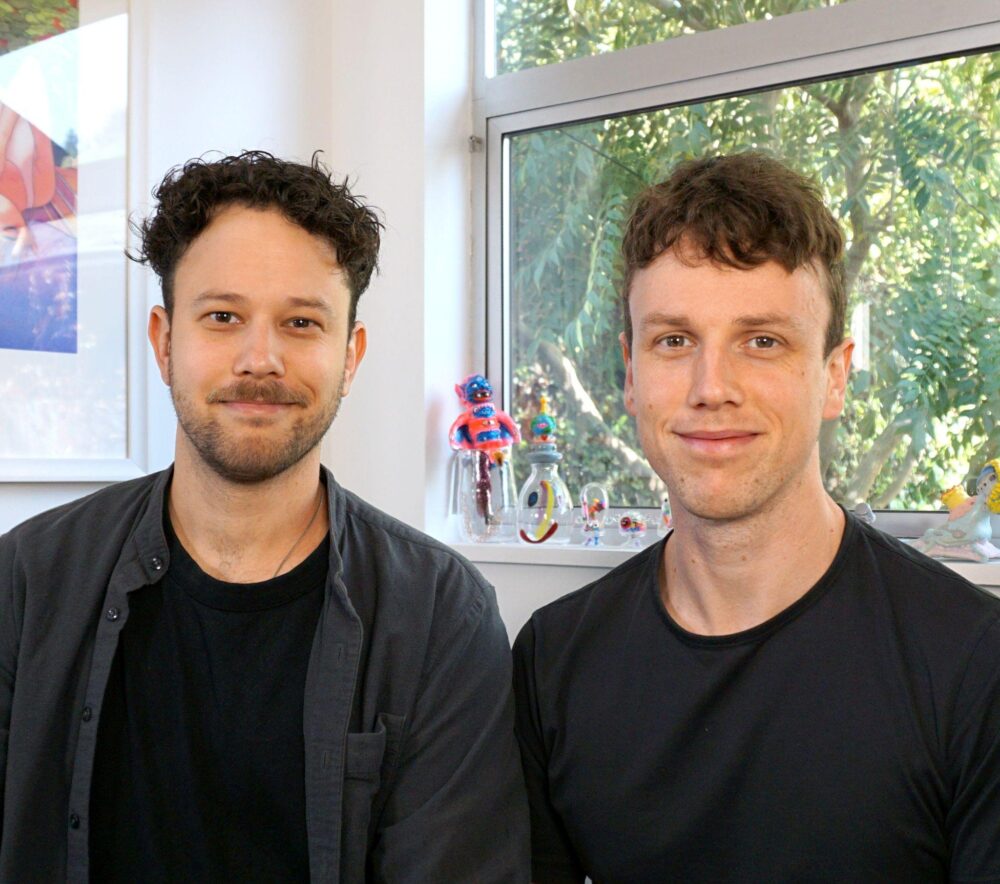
x: 246, y: 458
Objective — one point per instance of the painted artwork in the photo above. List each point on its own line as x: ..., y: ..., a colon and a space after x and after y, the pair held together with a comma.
x: 38, y: 176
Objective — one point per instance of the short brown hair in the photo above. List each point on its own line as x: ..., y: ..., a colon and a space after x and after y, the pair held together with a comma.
x: 190, y: 196
x: 740, y: 211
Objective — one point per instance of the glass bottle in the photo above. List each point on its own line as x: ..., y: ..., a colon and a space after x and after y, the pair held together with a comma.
x: 544, y: 506
x: 486, y: 503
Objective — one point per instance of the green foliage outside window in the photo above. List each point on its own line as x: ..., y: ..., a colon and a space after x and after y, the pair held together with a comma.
x: 908, y: 161
x: 538, y: 32
x: 23, y: 22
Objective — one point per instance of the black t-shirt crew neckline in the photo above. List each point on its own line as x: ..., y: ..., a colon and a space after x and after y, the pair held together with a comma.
x: 654, y: 569
x: 222, y: 595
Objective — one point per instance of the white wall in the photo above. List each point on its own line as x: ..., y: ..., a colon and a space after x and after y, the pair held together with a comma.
x: 401, y: 126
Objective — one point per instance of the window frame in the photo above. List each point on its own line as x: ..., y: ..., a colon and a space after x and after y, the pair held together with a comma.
x: 816, y: 44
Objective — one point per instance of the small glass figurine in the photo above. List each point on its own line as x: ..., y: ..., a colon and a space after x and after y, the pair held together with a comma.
x: 544, y: 507
x: 632, y: 526
x: 482, y: 435
x: 967, y: 532
x: 594, y: 504
x: 663, y: 529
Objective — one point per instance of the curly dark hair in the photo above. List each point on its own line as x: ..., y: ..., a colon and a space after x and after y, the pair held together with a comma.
x: 191, y: 195
x: 740, y: 211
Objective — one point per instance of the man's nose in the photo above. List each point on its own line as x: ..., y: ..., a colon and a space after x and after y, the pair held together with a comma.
x: 260, y: 353
x: 716, y: 378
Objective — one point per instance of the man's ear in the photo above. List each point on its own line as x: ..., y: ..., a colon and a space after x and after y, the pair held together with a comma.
x: 627, y: 357
x: 357, y: 343
x: 838, y: 370
x: 159, y: 337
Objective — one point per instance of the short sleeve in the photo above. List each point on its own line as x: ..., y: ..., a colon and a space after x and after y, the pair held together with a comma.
x: 974, y: 753
x: 553, y: 860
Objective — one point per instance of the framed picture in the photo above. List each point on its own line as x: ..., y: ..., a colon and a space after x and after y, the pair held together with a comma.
x: 70, y: 400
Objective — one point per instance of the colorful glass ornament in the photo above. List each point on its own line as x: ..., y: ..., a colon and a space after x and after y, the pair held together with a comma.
x: 544, y: 509
x: 632, y: 526
x: 594, y: 505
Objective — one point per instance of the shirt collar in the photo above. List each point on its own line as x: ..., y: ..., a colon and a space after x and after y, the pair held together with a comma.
x: 150, y: 541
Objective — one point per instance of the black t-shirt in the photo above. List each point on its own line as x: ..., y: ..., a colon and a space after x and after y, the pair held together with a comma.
x: 853, y: 737
x: 199, y: 767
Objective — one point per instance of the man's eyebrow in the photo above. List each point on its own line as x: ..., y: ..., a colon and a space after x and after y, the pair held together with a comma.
x: 237, y: 299
x: 656, y: 319
x: 770, y: 320
x: 311, y: 304
x: 226, y: 297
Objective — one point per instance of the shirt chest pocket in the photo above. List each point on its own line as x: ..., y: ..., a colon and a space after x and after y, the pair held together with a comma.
x: 369, y: 766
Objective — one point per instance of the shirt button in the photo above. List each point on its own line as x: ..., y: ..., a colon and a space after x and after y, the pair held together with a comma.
x: 112, y: 614
x: 88, y: 713
x: 74, y: 821
x: 156, y: 563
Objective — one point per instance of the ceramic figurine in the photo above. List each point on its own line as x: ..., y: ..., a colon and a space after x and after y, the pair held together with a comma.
x: 482, y: 436
x: 481, y: 426
x: 966, y: 533
x: 663, y: 528
x: 594, y: 504
x: 632, y: 526
x: 544, y: 507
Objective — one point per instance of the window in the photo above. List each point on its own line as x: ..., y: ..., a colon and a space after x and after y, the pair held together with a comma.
x: 529, y: 33
x: 905, y: 150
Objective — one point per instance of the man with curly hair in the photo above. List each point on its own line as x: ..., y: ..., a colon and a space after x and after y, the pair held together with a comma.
x: 776, y: 691
x: 235, y: 670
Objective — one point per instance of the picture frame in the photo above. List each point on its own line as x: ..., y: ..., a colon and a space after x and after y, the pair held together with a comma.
x: 72, y: 307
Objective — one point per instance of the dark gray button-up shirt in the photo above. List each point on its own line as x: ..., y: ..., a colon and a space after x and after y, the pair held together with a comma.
x: 429, y: 789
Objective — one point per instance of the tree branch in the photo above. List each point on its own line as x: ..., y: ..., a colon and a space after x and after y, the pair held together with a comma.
x: 616, y: 162
x: 872, y: 461
x: 899, y: 481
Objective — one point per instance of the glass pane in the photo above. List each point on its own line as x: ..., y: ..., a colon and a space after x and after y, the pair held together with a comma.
x: 908, y: 161
x: 531, y: 33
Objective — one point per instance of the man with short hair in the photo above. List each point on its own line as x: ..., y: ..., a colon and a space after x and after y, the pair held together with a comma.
x: 775, y: 692
x: 235, y: 670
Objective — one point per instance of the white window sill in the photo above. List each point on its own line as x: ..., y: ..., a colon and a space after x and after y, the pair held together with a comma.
x: 985, y: 574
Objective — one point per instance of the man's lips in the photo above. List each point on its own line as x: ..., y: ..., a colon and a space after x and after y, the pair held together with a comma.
x: 255, y: 406
x: 717, y: 441
x: 715, y: 434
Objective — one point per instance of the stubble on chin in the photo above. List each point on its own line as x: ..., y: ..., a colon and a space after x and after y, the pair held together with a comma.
x: 744, y: 495
x: 254, y: 455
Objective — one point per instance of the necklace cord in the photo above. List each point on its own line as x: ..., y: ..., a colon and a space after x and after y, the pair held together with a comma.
x: 298, y: 540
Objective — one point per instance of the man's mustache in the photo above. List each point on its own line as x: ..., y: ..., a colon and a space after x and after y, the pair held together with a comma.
x: 268, y: 393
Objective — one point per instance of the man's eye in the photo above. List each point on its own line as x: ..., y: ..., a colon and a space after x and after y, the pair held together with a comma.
x: 301, y: 322
x: 763, y: 342
x: 673, y: 341
x: 222, y: 316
